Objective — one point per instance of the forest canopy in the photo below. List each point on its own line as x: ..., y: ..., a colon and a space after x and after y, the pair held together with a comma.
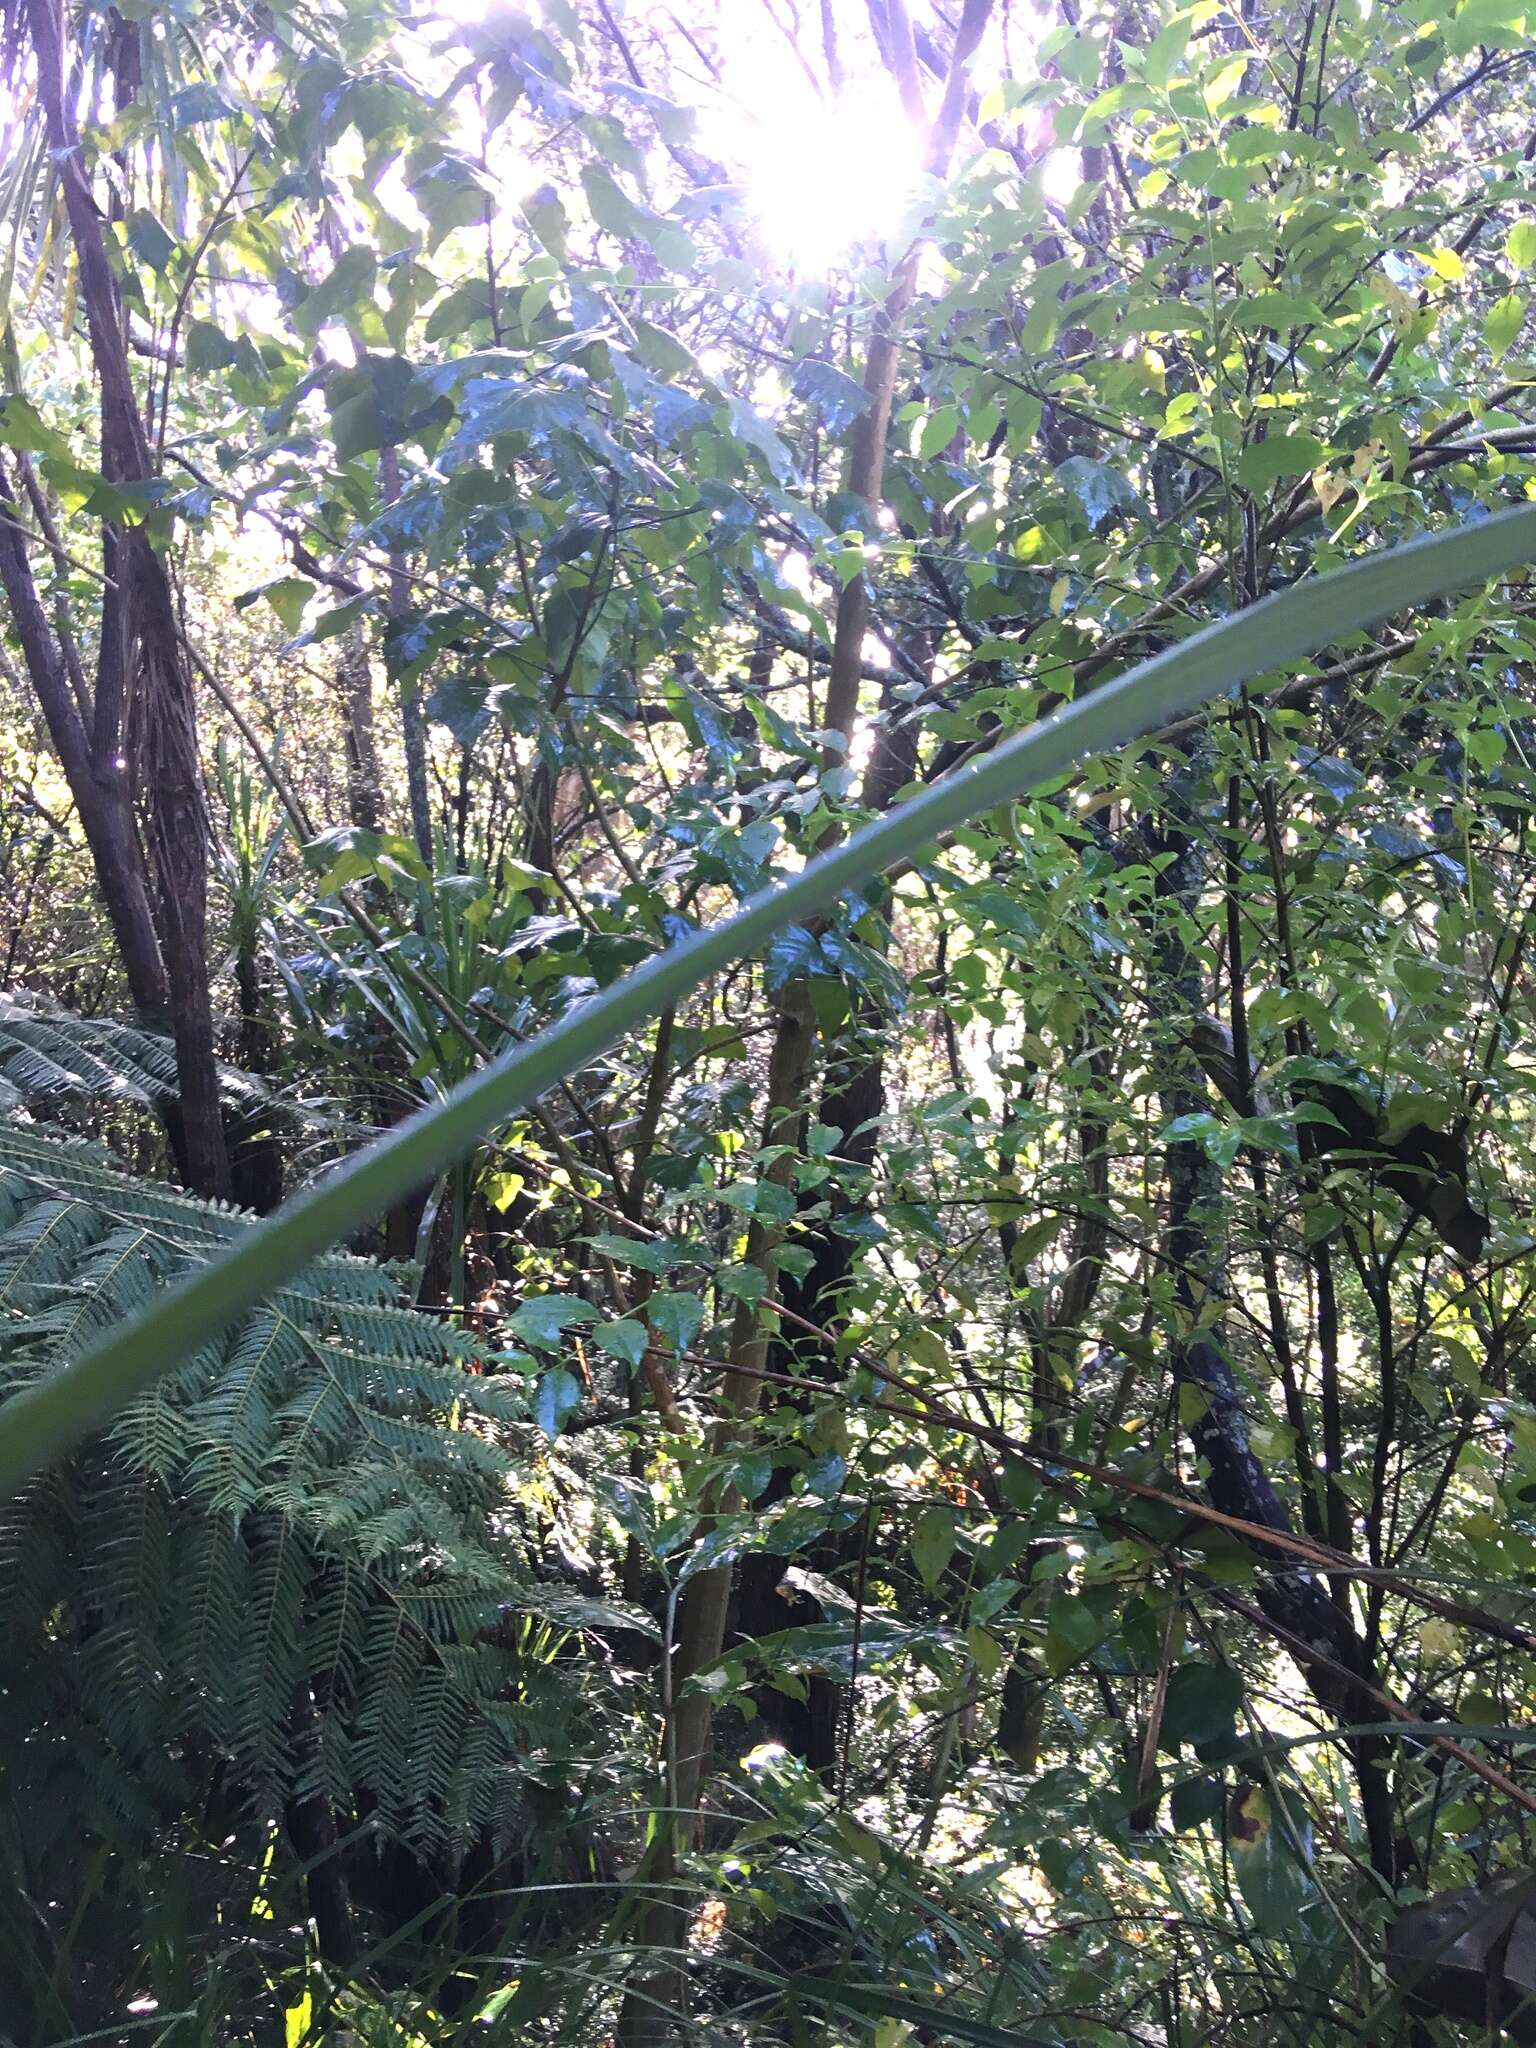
x: 766, y: 1136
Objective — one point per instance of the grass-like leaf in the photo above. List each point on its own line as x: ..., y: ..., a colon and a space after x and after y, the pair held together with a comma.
x: 54, y: 1413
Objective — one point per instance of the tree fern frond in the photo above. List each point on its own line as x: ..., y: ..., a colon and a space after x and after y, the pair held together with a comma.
x: 314, y: 1510
x: 52, y: 1061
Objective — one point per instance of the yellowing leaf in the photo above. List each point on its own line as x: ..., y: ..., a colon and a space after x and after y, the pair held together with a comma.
x: 1223, y: 82
x: 1439, y: 1639
x: 986, y: 1652
x: 1400, y: 304
x: 1365, y: 460
x: 1447, y: 264
x: 1059, y: 591
x: 1193, y: 1403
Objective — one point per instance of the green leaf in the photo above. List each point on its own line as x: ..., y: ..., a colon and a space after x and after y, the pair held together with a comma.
x: 676, y: 1318
x: 1202, y: 1703
x: 209, y: 347
x: 939, y: 429
x: 288, y: 595
x: 148, y: 239
x: 540, y: 1320
x: 350, y: 283
x: 199, y: 103
x: 350, y: 853
x: 59, y: 1409
x: 1506, y: 317
x: 340, y: 618
x: 624, y: 1339
x: 1167, y: 48
x: 612, y: 208
x: 1074, y: 1628
x: 555, y: 1400
x: 1265, y: 462
x: 1195, y: 1801
x: 1223, y: 80
x: 645, y: 1255
x: 449, y: 190
x: 1496, y: 23
x: 933, y: 1544
x: 23, y: 426
x: 1520, y: 244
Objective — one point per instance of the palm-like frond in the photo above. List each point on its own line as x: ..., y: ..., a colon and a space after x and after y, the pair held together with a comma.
x: 315, y: 1509
x: 52, y: 1061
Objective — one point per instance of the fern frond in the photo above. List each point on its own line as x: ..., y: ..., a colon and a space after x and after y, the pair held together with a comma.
x: 314, y: 1509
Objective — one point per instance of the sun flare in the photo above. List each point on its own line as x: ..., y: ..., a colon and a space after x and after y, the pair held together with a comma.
x: 825, y: 181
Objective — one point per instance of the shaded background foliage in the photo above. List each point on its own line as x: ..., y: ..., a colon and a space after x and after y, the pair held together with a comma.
x: 457, y: 539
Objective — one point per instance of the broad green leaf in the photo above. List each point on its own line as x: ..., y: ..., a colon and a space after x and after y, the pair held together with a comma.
x: 1506, y: 317
x: 933, y: 1544
x: 541, y: 1319
x: 349, y: 285
x: 1074, y: 1627
x: 555, y: 1400
x: 1195, y: 1801
x: 1263, y: 463
x: 624, y: 1339
x: 1166, y: 49
x: 288, y: 595
x: 939, y: 429
x: 612, y: 208
x: 1202, y: 1703
x: 676, y: 1318
x: 23, y: 426
x: 148, y: 239
x: 209, y: 347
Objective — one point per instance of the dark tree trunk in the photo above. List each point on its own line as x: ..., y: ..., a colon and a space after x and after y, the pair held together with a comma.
x: 173, y: 794
x: 99, y: 798
x: 311, y: 1826
x: 1295, y: 1599
x: 256, y: 1158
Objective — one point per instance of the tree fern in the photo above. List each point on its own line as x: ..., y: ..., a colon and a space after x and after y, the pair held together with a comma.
x: 52, y: 1061
x: 318, y: 1508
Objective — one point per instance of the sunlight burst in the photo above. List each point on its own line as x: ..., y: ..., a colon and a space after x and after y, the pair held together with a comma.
x: 824, y: 179
x: 825, y: 182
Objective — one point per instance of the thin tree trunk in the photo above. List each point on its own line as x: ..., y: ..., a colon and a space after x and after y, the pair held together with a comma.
x: 177, y: 818
x: 104, y: 814
x: 365, y: 782
x: 311, y: 1826
x: 413, y: 732
x: 648, y: 2013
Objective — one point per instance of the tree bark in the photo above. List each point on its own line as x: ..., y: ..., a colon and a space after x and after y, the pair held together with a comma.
x: 365, y: 782
x: 172, y: 778
x: 413, y: 732
x: 104, y: 814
